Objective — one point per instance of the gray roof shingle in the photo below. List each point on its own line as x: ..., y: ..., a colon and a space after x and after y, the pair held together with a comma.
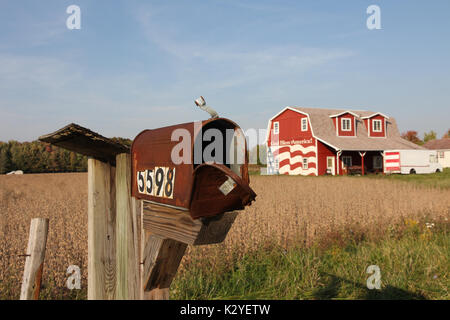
x: 439, y: 144
x: 324, y: 129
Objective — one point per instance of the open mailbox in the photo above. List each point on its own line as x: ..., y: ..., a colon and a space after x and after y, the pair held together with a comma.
x: 191, y: 171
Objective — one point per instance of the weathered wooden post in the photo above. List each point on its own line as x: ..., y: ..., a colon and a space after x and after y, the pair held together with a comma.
x: 34, y: 259
x: 102, y: 204
x: 143, y: 209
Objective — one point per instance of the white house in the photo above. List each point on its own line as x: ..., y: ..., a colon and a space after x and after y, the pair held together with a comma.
x: 442, y: 147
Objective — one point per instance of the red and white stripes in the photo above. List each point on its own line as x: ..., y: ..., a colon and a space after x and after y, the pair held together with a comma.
x: 392, y: 161
x: 291, y: 159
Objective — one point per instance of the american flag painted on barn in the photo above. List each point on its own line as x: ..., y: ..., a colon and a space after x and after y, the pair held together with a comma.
x: 292, y: 159
x: 392, y: 161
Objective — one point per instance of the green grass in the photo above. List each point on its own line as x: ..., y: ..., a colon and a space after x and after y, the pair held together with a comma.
x: 414, y: 266
x: 438, y: 180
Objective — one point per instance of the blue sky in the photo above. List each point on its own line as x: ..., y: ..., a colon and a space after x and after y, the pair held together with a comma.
x: 136, y: 65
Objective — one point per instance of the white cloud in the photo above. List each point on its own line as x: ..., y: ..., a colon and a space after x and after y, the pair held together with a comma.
x: 227, y: 64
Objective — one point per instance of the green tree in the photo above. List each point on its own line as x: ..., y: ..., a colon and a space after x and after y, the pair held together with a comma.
x: 5, y: 158
x: 428, y: 136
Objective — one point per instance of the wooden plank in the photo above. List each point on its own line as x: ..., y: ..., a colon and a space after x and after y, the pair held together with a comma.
x: 161, y: 260
x: 142, y: 242
x: 34, y: 263
x: 76, y: 138
x: 170, y: 223
x: 101, y: 231
x: 177, y: 224
x: 127, y: 254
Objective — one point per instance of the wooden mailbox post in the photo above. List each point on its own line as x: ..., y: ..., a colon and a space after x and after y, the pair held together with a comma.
x: 137, y: 236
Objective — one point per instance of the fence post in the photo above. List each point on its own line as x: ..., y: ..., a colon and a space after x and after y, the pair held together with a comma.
x: 34, y: 261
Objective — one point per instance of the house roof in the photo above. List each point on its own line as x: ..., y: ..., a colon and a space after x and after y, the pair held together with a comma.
x: 324, y: 130
x: 439, y: 144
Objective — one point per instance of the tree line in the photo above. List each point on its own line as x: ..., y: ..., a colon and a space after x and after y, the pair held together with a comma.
x: 413, y: 136
x: 40, y: 157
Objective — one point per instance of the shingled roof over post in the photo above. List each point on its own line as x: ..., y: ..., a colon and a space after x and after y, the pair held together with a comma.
x: 324, y: 130
x: 76, y: 138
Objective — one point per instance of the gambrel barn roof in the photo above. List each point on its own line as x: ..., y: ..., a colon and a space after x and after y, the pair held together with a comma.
x: 325, y: 131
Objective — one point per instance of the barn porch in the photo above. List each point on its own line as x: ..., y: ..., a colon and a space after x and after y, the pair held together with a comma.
x: 360, y: 162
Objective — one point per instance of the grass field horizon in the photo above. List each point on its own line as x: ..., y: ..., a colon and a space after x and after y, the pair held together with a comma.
x: 303, y: 238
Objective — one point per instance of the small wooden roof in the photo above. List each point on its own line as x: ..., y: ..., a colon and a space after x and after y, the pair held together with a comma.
x: 76, y: 138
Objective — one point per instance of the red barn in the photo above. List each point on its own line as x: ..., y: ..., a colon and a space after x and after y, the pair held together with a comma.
x: 314, y: 141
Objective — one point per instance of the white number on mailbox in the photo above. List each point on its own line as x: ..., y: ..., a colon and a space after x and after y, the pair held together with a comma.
x: 149, y: 189
x: 141, y: 181
x: 158, y: 182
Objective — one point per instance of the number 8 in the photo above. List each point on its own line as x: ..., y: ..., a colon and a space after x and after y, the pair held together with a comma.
x: 169, y: 182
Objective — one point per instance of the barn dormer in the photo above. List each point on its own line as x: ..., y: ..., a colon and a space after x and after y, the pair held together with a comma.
x: 345, y: 123
x: 376, y: 125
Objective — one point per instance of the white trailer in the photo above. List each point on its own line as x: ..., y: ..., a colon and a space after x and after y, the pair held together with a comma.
x: 411, y: 161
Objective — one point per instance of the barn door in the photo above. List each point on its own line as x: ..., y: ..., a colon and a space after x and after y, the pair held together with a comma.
x: 330, y: 166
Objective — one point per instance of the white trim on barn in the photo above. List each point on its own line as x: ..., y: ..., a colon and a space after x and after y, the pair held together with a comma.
x: 344, y: 112
x: 375, y: 114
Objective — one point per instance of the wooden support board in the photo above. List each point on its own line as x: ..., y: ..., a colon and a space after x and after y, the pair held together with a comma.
x: 167, y: 231
x: 101, y: 230
x: 161, y: 260
x: 176, y: 223
x: 127, y: 232
x: 34, y: 263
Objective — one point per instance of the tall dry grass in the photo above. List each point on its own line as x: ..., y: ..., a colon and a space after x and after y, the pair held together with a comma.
x: 325, y: 210
x: 306, y: 210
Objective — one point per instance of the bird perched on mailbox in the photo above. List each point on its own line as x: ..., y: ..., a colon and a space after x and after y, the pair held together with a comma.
x: 201, y: 103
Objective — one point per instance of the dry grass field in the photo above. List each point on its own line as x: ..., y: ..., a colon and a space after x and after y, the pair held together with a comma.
x: 312, y: 211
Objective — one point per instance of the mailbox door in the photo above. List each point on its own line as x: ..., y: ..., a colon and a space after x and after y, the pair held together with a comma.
x: 217, y: 189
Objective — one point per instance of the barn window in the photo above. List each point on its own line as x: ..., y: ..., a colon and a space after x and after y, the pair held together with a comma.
x: 346, y: 124
x: 276, y: 127
x: 346, y: 161
x: 304, y: 124
x: 433, y: 158
x: 376, y: 125
x: 441, y: 154
x: 305, y: 163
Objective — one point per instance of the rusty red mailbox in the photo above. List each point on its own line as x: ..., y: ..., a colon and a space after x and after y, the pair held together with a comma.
x: 195, y: 187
